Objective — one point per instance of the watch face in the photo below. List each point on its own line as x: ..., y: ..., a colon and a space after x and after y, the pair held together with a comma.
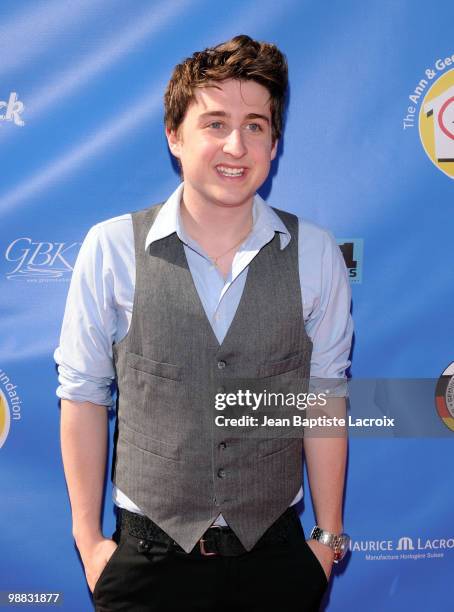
x: 342, y: 546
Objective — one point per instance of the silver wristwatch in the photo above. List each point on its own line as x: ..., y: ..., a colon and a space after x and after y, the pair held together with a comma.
x: 338, y: 542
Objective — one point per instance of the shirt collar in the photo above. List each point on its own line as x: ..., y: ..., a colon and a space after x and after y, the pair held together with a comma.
x: 168, y: 221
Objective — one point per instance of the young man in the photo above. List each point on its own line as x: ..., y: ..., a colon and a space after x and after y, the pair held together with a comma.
x: 176, y: 302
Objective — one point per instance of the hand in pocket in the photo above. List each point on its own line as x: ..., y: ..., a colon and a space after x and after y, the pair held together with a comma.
x: 324, y: 555
x: 95, y: 560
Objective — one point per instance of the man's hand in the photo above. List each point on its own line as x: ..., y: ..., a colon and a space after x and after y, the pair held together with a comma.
x: 324, y: 554
x: 95, y: 558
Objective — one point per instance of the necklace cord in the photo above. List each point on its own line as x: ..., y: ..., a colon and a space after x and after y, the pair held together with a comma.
x: 215, y: 259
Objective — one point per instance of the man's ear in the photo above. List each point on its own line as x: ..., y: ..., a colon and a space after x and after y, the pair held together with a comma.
x: 274, y: 148
x: 174, y: 141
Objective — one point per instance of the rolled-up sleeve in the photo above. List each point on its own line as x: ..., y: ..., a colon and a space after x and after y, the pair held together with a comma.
x: 84, y: 354
x: 326, y: 299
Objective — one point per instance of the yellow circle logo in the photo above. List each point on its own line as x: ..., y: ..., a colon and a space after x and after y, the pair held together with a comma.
x: 436, y: 123
x: 444, y: 396
x: 4, y: 419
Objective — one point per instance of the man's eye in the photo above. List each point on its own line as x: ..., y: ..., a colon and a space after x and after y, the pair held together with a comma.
x: 254, y: 127
x: 216, y: 125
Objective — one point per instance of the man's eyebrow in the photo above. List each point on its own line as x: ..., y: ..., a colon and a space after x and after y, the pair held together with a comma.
x: 220, y: 113
x: 257, y: 116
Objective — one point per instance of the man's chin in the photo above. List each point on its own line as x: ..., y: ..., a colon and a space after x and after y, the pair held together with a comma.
x: 231, y: 198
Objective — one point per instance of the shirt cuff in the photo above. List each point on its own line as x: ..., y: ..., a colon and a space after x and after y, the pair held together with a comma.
x: 79, y: 387
x: 331, y: 387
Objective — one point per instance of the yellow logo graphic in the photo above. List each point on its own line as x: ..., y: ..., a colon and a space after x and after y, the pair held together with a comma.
x: 444, y: 396
x: 4, y: 419
x: 436, y: 123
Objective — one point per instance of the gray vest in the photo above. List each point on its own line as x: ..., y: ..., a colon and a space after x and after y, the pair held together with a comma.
x: 170, y: 458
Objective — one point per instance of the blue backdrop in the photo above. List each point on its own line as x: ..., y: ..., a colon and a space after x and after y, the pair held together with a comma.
x: 81, y: 140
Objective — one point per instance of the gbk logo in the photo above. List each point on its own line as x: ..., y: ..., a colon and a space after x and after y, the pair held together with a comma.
x: 405, y: 543
x: 40, y: 261
x: 352, y: 250
x: 14, y: 109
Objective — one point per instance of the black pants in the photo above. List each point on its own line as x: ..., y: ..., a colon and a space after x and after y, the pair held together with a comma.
x: 280, y: 573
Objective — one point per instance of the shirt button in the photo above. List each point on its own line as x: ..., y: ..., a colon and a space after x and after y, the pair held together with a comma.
x: 221, y: 473
x: 221, y: 364
x: 222, y: 445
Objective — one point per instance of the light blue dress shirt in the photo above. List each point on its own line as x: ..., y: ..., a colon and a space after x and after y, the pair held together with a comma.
x: 100, y: 298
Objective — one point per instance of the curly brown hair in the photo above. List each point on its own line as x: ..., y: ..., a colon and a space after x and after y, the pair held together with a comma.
x: 239, y: 58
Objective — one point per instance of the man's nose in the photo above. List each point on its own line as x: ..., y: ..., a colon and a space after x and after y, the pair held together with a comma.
x: 234, y: 144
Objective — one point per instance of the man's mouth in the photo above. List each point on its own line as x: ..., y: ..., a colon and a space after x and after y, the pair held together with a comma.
x: 231, y: 172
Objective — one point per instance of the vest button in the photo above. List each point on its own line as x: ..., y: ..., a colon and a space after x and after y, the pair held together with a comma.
x: 221, y: 473
x: 221, y: 364
x: 222, y: 445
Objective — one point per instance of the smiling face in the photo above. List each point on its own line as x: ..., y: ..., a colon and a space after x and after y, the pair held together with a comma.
x: 225, y: 144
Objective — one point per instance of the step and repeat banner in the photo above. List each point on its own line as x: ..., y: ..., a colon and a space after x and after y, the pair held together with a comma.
x: 368, y: 152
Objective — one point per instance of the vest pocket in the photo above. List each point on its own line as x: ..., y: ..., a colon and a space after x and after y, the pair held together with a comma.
x: 150, y: 366
x: 145, y: 443
x: 273, y: 368
x: 274, y: 446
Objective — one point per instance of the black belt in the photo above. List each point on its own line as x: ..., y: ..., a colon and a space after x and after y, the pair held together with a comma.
x: 216, y: 541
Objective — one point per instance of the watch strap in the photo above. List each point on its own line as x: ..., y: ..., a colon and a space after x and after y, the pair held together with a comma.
x: 337, y: 542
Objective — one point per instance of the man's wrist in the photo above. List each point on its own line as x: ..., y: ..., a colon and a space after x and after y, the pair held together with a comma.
x: 335, y: 527
x: 87, y: 538
x: 337, y: 542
